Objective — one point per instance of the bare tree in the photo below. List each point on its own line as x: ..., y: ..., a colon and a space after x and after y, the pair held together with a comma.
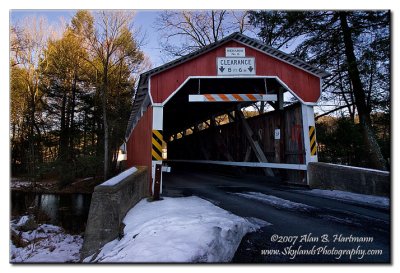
x: 185, y: 31
x: 241, y: 21
x: 109, y: 37
x: 28, y: 40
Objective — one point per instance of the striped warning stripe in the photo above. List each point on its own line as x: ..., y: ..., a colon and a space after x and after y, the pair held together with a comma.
x: 232, y: 97
x: 313, y: 140
x: 157, y: 144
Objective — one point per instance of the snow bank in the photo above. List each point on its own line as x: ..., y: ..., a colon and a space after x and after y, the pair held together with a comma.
x: 276, y: 201
x: 116, y: 179
x: 379, y: 201
x: 46, y: 244
x: 358, y: 168
x: 23, y: 220
x: 184, y: 230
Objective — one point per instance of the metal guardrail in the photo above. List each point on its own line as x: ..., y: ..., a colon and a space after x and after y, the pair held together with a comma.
x: 301, y: 167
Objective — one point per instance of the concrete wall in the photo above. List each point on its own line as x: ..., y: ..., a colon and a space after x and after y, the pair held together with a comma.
x: 345, y: 178
x: 108, y: 208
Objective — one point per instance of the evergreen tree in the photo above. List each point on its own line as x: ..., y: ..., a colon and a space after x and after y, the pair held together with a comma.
x: 352, y: 46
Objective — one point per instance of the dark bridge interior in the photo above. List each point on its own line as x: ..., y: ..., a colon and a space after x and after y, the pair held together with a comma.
x: 180, y: 114
x: 218, y: 131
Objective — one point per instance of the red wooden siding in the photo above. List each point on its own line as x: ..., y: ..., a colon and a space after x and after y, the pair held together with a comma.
x: 304, y: 84
x: 139, y: 143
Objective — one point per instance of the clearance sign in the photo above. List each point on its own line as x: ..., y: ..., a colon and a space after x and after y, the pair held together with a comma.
x: 227, y: 66
x: 235, y: 62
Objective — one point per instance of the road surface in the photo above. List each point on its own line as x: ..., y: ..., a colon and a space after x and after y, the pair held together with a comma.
x: 302, y: 228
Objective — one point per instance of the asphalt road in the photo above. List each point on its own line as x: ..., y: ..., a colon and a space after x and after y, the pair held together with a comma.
x: 327, y: 231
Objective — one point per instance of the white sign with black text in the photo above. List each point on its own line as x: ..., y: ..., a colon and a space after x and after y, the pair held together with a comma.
x: 236, y: 66
x: 235, y: 52
x: 277, y: 134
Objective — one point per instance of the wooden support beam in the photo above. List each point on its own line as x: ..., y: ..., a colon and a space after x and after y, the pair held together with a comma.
x: 253, y: 143
x: 273, y: 104
x: 213, y: 122
x: 226, y: 111
x: 277, y: 148
x: 231, y: 117
x: 280, y: 98
x: 247, y: 155
x: 204, y: 151
x: 223, y: 149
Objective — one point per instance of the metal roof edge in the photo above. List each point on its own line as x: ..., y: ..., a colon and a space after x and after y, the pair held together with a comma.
x: 133, y: 114
x: 285, y: 57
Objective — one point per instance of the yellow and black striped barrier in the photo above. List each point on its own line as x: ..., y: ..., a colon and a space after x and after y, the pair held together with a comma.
x: 157, y: 143
x: 313, y: 140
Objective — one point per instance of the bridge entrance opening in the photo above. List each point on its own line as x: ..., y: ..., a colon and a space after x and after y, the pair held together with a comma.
x: 253, y: 123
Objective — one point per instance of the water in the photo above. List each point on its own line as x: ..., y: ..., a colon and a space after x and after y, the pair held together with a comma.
x: 69, y: 211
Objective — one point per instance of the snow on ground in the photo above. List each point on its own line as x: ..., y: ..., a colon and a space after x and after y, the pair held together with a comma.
x: 46, y: 244
x: 379, y: 201
x: 16, y: 183
x: 116, y: 179
x: 23, y: 220
x: 275, y: 201
x: 345, y: 220
x: 21, y: 183
x: 359, y: 168
x: 185, y: 230
x: 86, y: 179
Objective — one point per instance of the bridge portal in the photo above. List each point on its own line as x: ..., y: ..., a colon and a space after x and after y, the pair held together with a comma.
x: 195, y: 110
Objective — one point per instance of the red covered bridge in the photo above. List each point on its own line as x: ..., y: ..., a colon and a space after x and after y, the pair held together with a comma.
x: 191, y: 110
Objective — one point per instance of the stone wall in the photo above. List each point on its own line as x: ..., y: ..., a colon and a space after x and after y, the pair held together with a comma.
x: 108, y: 207
x: 346, y: 178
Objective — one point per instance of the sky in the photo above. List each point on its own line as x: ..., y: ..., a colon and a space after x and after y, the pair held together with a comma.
x: 144, y: 20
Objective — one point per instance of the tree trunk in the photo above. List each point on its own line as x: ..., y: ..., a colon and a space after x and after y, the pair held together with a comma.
x: 375, y: 157
x: 62, y: 152
x: 262, y: 107
x: 105, y: 123
x: 105, y: 140
x: 99, y: 137
x: 72, y: 113
x: 84, y: 132
x: 32, y: 165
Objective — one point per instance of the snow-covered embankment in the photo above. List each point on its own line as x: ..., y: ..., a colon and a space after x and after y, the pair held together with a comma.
x: 42, y: 243
x: 186, y: 230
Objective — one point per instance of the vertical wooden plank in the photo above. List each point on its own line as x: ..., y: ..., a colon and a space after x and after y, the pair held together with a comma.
x: 277, y: 149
